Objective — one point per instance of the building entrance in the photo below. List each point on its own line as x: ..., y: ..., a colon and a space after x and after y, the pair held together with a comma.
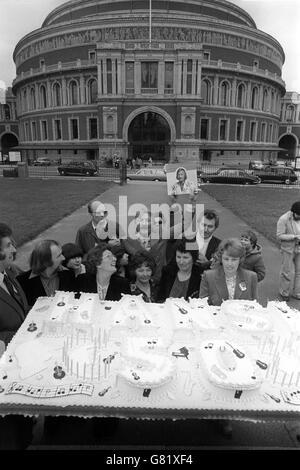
x: 289, y: 145
x: 8, y: 141
x: 149, y: 136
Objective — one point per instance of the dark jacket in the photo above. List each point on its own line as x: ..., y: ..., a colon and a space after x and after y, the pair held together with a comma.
x: 87, y: 239
x: 33, y: 287
x: 213, y: 285
x: 212, y: 247
x: 168, y: 277
x: 118, y: 285
x: 254, y: 262
x: 12, y: 314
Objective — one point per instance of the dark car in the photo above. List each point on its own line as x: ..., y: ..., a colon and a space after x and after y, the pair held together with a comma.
x: 276, y: 174
x: 148, y: 174
x: 77, y: 168
x: 230, y: 175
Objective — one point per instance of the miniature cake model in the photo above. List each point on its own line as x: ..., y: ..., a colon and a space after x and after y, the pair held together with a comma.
x: 290, y: 316
x: 246, y: 315
x: 227, y: 365
x: 145, y: 363
x: 182, y: 320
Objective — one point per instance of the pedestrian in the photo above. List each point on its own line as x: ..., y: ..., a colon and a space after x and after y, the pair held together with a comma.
x: 253, y: 256
x: 288, y: 234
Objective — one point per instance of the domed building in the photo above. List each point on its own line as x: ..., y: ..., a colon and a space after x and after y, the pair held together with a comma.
x: 184, y: 80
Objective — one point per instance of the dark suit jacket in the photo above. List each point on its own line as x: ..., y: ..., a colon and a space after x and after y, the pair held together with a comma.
x: 118, y: 285
x: 11, y: 313
x: 211, y: 249
x: 34, y: 288
x: 87, y: 239
x: 168, y: 277
x: 213, y: 285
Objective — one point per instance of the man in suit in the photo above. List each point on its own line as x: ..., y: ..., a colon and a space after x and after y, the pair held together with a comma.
x: 207, y: 243
x: 97, y: 230
x: 13, y: 304
x: 15, y: 431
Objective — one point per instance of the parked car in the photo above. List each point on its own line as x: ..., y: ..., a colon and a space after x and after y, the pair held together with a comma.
x: 42, y: 162
x: 77, y: 168
x: 148, y: 174
x: 256, y: 165
x: 230, y: 175
x: 276, y: 174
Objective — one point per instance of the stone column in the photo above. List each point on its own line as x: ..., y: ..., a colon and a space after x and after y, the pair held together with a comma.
x: 113, y: 76
x: 184, y: 75
x: 137, y: 77
x: 120, y: 77
x: 194, y: 72
x: 160, y: 78
x: 64, y: 91
x: 99, y: 71
x: 216, y: 90
x: 260, y: 97
x: 233, y: 92
x: 178, y: 77
x: 49, y: 97
x: 37, y: 96
x: 104, y: 77
x: 199, y: 73
x: 248, y: 95
x: 82, y: 89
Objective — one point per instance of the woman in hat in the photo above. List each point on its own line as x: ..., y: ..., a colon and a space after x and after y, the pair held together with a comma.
x: 73, y: 258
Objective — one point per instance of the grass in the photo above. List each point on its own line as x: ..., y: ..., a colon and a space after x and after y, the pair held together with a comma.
x: 259, y: 207
x: 30, y: 206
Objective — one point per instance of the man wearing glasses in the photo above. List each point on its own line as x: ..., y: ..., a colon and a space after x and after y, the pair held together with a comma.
x: 97, y: 230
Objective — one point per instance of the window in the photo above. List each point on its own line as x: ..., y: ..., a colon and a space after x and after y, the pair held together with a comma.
x: 42, y: 63
x: 189, y: 75
x: 265, y: 101
x: 253, y: 128
x: 32, y: 99
x: 223, y: 129
x: 289, y: 113
x: 169, y: 77
x: 240, y: 96
x: 92, y: 56
x: 7, y: 112
x: 74, y: 128
x: 33, y: 130
x: 93, y: 128
x: 224, y: 94
x: 73, y: 92
x: 43, y: 97
x: 239, y: 130
x: 26, y: 131
x: 44, y: 130
x: 56, y: 94
x: 92, y: 91
x: 206, y: 55
x: 206, y: 91
x: 204, y: 129
x: 129, y: 77
x: 57, y: 129
x: 25, y: 100
x: 263, y: 132
x: 149, y: 72
x: 254, y: 98
x: 109, y: 75
x: 256, y: 63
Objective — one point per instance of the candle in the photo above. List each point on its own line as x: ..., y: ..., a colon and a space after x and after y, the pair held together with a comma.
x: 291, y: 379
x: 283, y: 380
x: 84, y: 370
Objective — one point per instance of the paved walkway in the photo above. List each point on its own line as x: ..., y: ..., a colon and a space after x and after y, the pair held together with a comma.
x: 146, y: 193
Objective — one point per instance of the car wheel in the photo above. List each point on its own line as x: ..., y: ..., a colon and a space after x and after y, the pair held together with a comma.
x: 156, y: 180
x: 206, y: 181
x: 62, y: 173
x: 246, y: 182
x: 128, y: 179
x: 287, y: 181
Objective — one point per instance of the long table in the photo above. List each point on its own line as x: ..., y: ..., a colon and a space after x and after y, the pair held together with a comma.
x: 39, y: 377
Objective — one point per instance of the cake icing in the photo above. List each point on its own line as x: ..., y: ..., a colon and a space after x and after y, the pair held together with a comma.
x: 246, y: 315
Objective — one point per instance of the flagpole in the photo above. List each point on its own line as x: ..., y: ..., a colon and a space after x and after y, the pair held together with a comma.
x: 150, y: 21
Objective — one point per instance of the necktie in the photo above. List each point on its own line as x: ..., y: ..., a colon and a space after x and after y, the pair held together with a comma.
x: 12, y: 289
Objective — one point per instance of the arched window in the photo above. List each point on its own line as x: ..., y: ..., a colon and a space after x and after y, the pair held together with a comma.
x: 224, y: 94
x: 73, y: 92
x: 254, y: 98
x: 32, y: 98
x: 206, y: 91
x: 43, y: 96
x: 273, y: 102
x: 56, y: 94
x: 25, y: 100
x: 265, y: 101
x: 289, y: 114
x: 92, y: 91
x: 240, y: 98
x: 7, y: 115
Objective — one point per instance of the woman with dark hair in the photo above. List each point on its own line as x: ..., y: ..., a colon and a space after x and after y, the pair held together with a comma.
x: 73, y: 258
x: 121, y: 260
x: 227, y: 279
x: 142, y: 268
x: 100, y: 276
x: 46, y: 274
x: 183, y: 278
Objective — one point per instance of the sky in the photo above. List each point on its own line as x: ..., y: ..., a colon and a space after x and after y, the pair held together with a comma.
x: 279, y: 18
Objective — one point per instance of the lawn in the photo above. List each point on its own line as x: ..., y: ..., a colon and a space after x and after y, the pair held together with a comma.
x: 31, y: 206
x: 259, y: 207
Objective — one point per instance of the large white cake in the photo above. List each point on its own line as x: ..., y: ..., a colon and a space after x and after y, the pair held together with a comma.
x: 247, y: 315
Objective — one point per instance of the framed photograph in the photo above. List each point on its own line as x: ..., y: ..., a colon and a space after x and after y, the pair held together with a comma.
x: 181, y: 178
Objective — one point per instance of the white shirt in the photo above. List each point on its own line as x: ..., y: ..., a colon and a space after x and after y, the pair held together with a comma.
x: 202, y: 243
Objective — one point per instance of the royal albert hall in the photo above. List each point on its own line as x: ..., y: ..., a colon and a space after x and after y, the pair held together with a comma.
x: 175, y: 80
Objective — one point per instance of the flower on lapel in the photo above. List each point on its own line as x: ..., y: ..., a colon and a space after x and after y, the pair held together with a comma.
x: 242, y: 286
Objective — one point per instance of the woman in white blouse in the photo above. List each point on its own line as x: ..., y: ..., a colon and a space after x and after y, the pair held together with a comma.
x: 227, y: 280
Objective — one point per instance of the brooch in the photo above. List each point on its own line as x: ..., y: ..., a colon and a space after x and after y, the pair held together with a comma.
x: 242, y: 286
